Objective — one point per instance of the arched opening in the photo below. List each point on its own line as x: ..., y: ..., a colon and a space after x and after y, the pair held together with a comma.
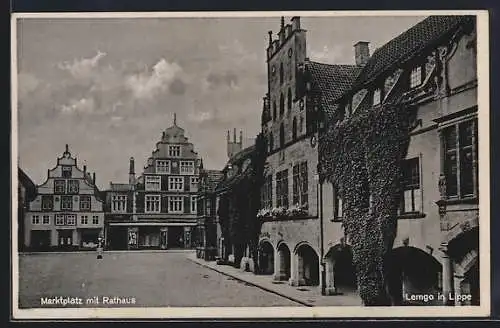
x: 470, y: 285
x: 282, y: 105
x: 289, y: 100
x: 271, y: 142
x: 282, y: 135
x: 340, y: 271
x: 283, y: 262
x: 413, y: 273
x: 308, y: 266
x: 282, y: 73
x: 266, y: 258
x: 294, y: 128
x: 274, y: 111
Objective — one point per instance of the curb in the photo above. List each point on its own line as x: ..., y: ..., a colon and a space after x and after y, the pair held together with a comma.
x: 293, y: 299
x: 109, y: 252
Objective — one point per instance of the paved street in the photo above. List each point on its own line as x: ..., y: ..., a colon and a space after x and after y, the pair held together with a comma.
x: 152, y: 278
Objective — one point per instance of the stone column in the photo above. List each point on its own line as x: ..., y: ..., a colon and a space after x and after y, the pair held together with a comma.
x: 278, y: 264
x: 457, y: 288
x: 330, y: 278
x: 187, y: 237
x: 294, y: 270
x: 448, y: 284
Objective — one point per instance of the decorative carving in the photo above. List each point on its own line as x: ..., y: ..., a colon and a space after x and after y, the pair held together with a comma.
x: 465, y: 226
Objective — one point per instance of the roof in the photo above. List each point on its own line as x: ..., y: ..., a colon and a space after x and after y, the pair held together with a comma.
x: 330, y: 82
x: 120, y: 187
x: 209, y: 180
x: 422, y: 35
x: 26, y: 181
x: 237, y: 159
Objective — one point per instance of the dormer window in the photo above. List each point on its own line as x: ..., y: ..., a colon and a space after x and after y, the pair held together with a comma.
x: 416, y: 77
x: 66, y: 171
x: 377, y: 94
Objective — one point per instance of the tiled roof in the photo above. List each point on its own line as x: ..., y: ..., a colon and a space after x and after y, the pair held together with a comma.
x: 331, y: 81
x: 213, y: 177
x: 422, y: 35
x: 237, y: 159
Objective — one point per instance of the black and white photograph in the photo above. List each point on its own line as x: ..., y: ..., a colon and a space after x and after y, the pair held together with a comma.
x: 250, y: 164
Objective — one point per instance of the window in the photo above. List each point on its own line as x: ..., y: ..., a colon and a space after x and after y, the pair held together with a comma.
x: 193, y: 205
x: 46, y: 219
x: 282, y: 135
x: 59, y: 219
x: 338, y: 208
x: 282, y: 188
x: 282, y: 105
x: 162, y: 166
x: 84, y: 219
x: 66, y: 172
x: 85, y: 203
x: 289, y: 100
x: 460, y: 162
x: 35, y: 219
x: 267, y: 192
x: 208, y: 207
x: 274, y: 111
x: 152, y: 204
x: 416, y: 77
x: 294, y: 129
x: 175, y: 204
x: 47, y: 202
x: 66, y: 202
x: 153, y: 183
x: 73, y: 187
x: 176, y: 183
x: 119, y: 203
x: 174, y: 151
x: 59, y: 186
x: 70, y: 219
x: 377, y: 97
x: 411, y: 199
x: 194, y: 183
x: 95, y: 219
x: 271, y: 142
x: 187, y: 167
x: 282, y: 73
x: 300, y: 184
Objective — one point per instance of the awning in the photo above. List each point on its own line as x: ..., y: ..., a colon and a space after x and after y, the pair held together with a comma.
x: 162, y: 224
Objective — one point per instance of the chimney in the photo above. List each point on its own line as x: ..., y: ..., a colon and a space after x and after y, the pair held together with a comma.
x: 228, y: 137
x: 131, y: 172
x: 270, y: 38
x: 84, y: 170
x: 234, y: 135
x: 361, y: 53
x: 295, y: 23
x: 93, y: 178
x: 241, y: 138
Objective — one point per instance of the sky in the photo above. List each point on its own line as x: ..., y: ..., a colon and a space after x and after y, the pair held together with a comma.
x: 108, y: 87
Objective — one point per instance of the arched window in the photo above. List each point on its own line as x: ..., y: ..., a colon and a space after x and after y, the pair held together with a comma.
x: 274, y: 111
x: 281, y: 73
x: 289, y: 99
x: 282, y: 105
x: 294, y: 128
x: 282, y: 135
x: 271, y: 142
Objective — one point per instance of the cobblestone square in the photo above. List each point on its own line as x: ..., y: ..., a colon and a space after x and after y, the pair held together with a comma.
x: 153, y: 279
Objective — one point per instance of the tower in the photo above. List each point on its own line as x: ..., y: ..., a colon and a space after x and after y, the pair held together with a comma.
x: 131, y: 172
x: 233, y: 147
x: 286, y: 55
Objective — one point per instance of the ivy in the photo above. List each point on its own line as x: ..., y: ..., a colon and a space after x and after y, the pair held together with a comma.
x: 362, y: 157
x: 239, y: 205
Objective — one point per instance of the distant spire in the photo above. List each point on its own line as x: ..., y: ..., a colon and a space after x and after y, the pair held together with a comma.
x: 175, y: 118
x: 67, y: 149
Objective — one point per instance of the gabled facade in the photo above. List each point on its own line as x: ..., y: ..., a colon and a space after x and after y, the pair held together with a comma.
x: 163, y: 198
x: 300, y: 92
x: 67, y: 211
x: 430, y: 69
